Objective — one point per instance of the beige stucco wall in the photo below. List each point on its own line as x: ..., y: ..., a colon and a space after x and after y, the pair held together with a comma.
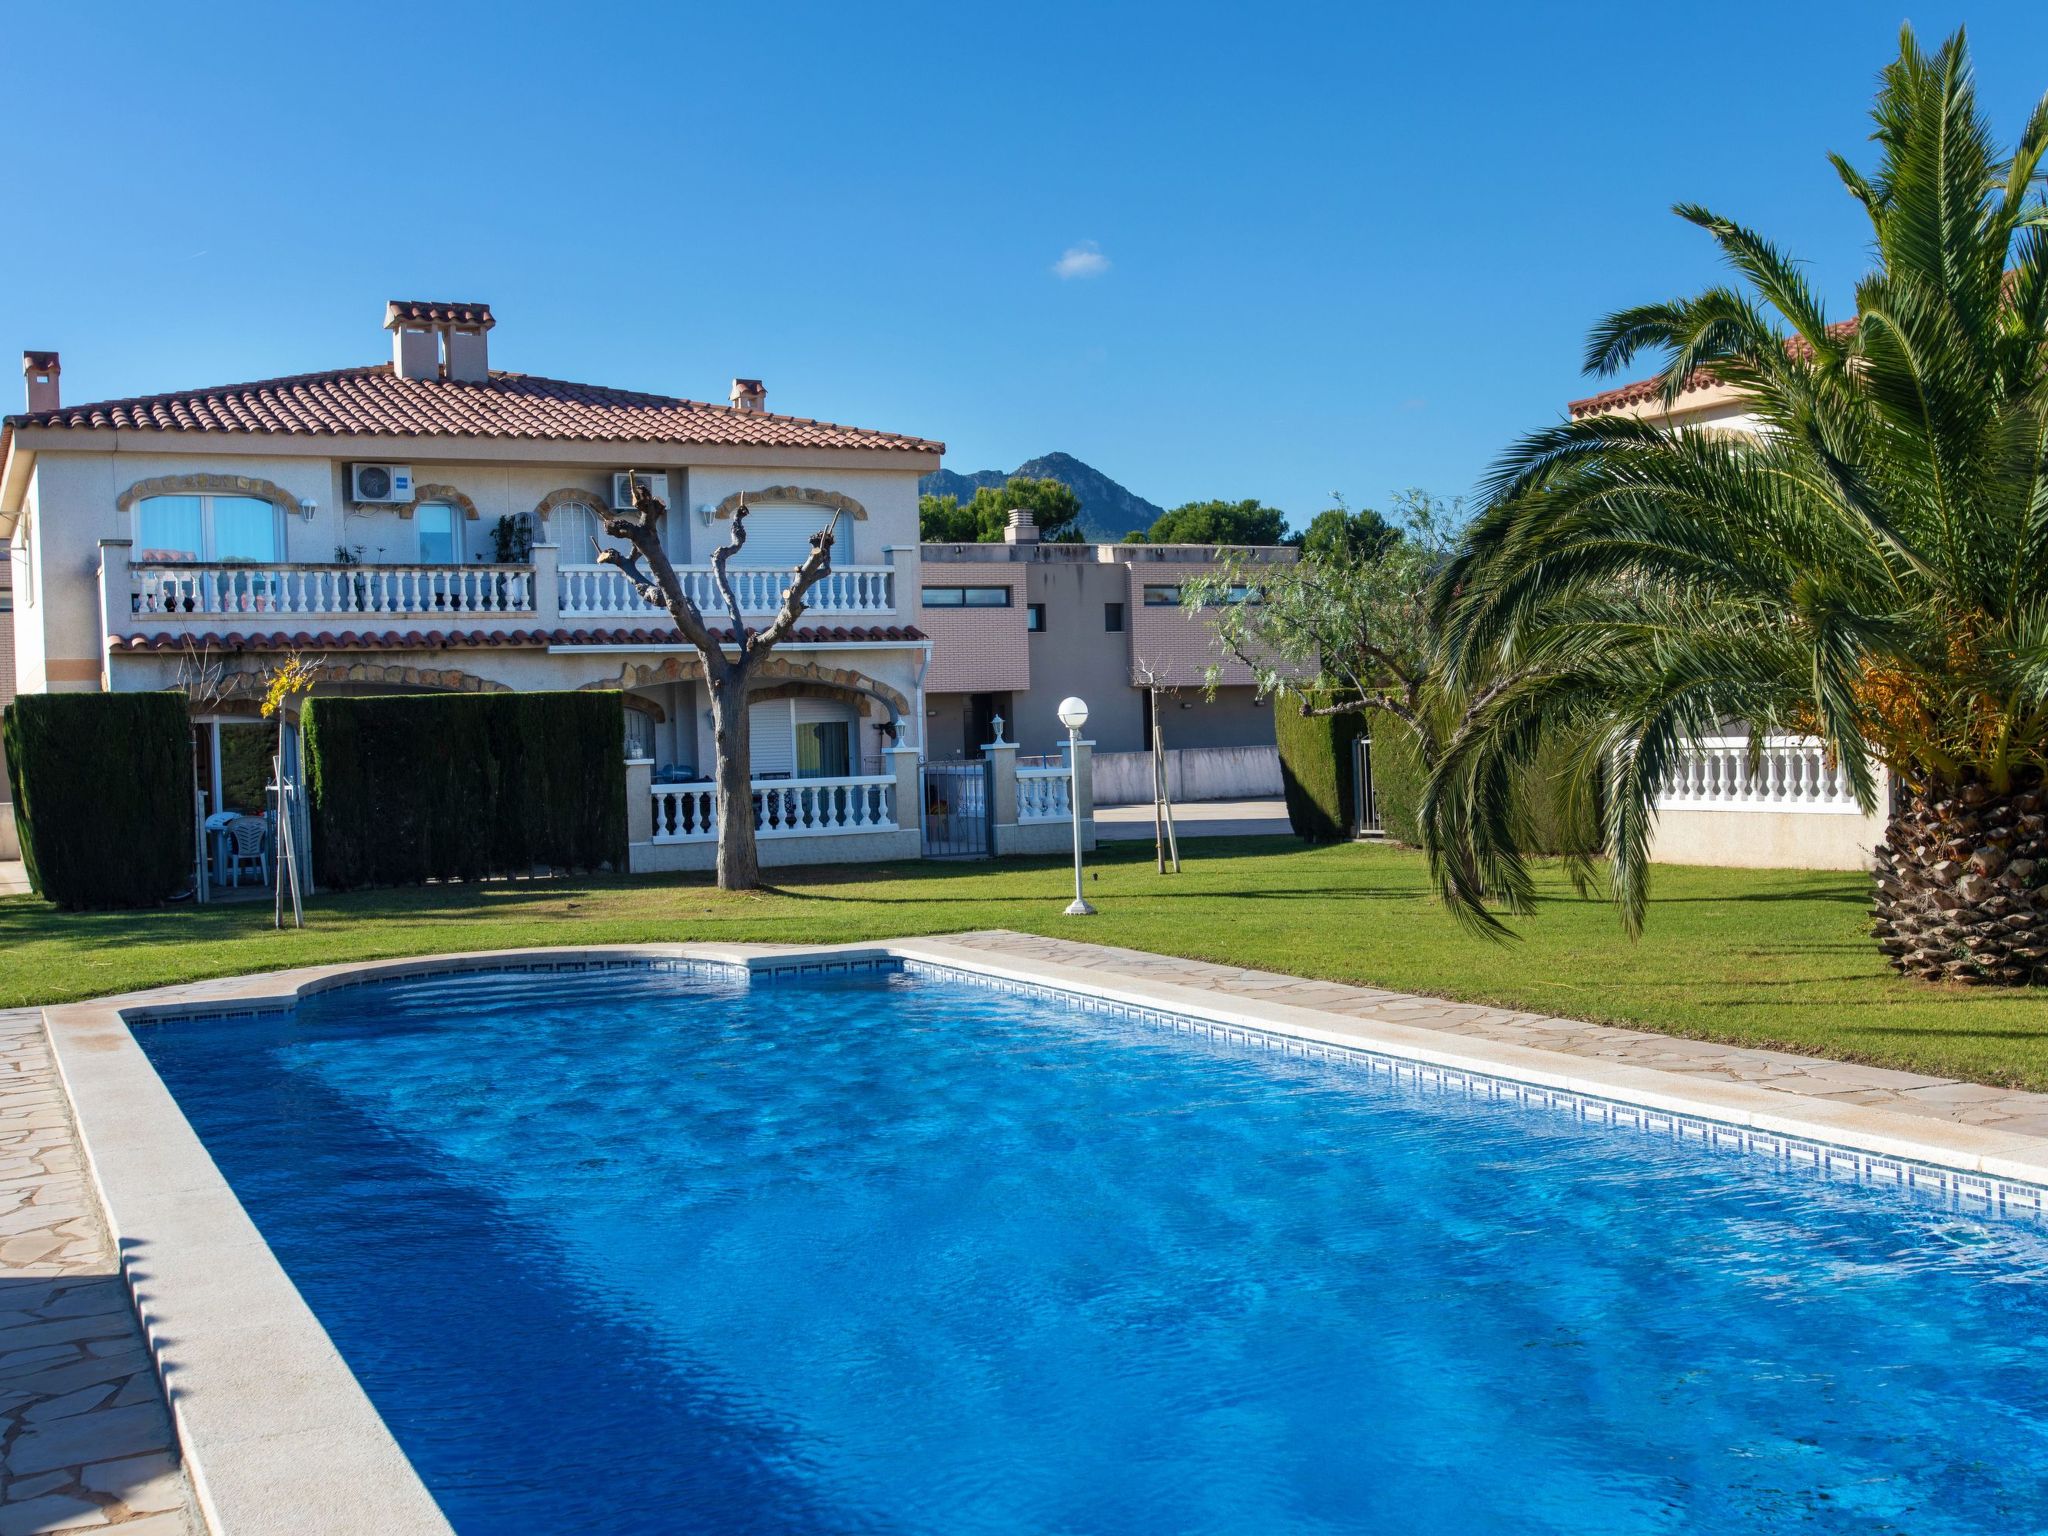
x: 79, y: 490
x: 1766, y: 839
x: 71, y: 507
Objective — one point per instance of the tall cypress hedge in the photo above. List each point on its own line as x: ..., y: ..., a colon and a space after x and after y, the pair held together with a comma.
x: 460, y: 786
x: 1316, y: 775
x: 1315, y: 769
x: 102, y: 786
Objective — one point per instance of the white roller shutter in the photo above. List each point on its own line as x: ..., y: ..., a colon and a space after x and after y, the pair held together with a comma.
x: 819, y: 711
x: 781, y: 536
x: 773, y: 737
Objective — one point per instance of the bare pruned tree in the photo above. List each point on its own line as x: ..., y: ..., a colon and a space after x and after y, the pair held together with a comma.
x: 730, y: 658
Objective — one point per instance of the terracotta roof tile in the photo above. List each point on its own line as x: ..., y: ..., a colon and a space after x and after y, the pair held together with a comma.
x: 1643, y: 391
x: 374, y: 402
x: 438, y: 312
x: 160, y: 641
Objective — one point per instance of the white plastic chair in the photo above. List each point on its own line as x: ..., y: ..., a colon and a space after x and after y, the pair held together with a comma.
x: 248, y: 845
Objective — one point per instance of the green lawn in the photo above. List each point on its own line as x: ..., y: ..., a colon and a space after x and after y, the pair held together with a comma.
x: 1759, y: 957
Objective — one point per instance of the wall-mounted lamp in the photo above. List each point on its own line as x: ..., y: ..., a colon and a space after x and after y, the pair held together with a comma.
x: 705, y: 512
x: 307, y: 508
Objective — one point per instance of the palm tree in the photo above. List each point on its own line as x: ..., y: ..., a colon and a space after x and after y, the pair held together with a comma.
x: 1869, y: 566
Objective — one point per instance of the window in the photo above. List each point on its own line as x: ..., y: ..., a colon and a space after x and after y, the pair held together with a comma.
x: 1169, y: 597
x: 21, y: 565
x: 824, y: 749
x: 967, y: 597
x: 578, y: 531
x: 1034, y: 619
x: 437, y: 522
x: 234, y: 530
x: 781, y: 535
x: 1113, y: 618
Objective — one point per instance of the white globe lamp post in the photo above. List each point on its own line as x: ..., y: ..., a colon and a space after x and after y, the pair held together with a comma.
x: 1074, y: 715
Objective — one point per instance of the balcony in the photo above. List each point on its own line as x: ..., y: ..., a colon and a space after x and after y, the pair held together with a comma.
x: 181, y: 593
x: 190, y: 590
x: 602, y: 591
x: 686, y: 813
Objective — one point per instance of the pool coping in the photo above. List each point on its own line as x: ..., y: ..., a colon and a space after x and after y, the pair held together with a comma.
x: 278, y: 1435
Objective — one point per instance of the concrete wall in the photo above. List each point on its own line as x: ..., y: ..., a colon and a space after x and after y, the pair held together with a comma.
x: 1194, y: 773
x: 1077, y: 654
x: 1766, y: 839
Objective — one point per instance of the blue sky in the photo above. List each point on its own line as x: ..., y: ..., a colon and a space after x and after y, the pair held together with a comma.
x: 1215, y: 251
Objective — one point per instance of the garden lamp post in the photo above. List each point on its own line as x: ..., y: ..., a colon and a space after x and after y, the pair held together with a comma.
x: 1074, y: 715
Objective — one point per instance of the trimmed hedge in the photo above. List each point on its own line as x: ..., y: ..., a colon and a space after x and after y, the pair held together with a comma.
x: 460, y: 786
x: 1316, y: 773
x: 1315, y: 770
x: 102, y: 786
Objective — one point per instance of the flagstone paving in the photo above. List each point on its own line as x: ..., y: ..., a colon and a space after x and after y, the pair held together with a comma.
x: 1843, y: 1082
x: 85, y: 1444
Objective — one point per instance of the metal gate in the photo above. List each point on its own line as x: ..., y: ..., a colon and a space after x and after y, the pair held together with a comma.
x: 1365, y: 797
x: 956, y: 810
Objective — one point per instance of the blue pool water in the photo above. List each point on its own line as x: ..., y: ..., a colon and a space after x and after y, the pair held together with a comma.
x: 643, y: 1252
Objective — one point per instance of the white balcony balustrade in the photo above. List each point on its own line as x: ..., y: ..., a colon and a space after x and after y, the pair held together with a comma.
x: 688, y: 813
x: 601, y: 591
x: 1044, y: 794
x: 195, y: 590
x: 1793, y: 774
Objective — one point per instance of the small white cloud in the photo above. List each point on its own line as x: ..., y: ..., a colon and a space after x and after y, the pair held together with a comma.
x: 1083, y: 260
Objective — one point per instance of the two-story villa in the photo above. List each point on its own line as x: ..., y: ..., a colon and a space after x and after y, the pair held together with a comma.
x: 433, y: 522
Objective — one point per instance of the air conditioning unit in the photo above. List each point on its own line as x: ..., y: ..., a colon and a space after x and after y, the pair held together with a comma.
x: 622, y: 488
x: 373, y: 484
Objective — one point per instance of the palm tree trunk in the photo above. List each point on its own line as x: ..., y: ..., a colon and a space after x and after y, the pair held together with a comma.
x: 739, y: 865
x: 1962, y: 885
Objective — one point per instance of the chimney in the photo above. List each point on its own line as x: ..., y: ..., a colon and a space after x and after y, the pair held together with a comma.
x: 438, y: 339
x: 1022, y: 529
x: 40, y: 370
x: 749, y: 395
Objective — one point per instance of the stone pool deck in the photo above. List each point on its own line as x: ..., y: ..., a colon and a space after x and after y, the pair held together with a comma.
x: 1809, y: 1077
x: 85, y: 1444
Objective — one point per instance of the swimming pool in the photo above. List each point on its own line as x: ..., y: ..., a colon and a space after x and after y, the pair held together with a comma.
x: 653, y: 1251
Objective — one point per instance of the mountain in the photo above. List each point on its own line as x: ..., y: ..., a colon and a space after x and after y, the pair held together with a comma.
x: 1108, y: 511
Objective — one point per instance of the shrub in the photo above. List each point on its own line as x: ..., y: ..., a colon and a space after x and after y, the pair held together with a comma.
x: 1316, y: 770
x: 102, y: 786
x: 460, y: 786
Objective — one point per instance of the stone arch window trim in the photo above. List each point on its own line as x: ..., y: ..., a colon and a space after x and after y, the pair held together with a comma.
x: 792, y: 495
x: 251, y: 683
x: 573, y: 496
x: 840, y: 682
x: 208, y: 485
x: 442, y: 493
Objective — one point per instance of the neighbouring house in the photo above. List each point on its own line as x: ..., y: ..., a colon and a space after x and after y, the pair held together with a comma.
x: 432, y: 522
x: 1795, y: 811
x: 10, y: 848
x: 1018, y: 626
